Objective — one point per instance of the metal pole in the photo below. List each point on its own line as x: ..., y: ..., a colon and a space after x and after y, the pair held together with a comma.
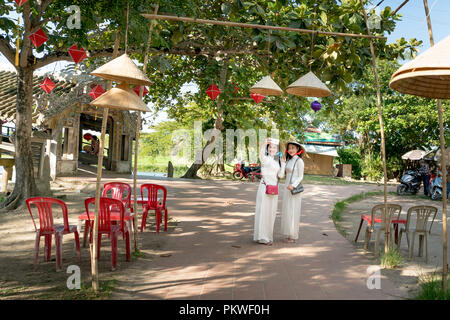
x: 443, y: 167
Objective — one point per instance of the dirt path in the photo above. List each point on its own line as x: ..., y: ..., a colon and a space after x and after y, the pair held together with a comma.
x: 212, y: 255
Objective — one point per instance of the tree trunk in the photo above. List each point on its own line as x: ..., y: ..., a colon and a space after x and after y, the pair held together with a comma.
x: 192, y: 171
x: 25, y: 185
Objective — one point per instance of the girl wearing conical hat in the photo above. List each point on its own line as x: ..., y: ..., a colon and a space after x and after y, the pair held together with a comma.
x: 291, y: 205
x: 266, y: 204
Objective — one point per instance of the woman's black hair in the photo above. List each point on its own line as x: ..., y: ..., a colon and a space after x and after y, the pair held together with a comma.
x: 276, y: 157
x: 288, y: 156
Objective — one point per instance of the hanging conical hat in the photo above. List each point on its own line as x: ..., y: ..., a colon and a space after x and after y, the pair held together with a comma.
x: 122, y: 69
x: 267, y: 87
x: 428, y: 75
x: 309, y: 86
x: 121, y: 97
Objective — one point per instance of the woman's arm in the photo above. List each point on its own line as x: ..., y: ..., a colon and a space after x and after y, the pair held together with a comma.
x: 282, y: 171
x: 298, y: 177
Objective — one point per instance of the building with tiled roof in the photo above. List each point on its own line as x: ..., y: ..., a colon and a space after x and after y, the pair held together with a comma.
x: 64, y: 115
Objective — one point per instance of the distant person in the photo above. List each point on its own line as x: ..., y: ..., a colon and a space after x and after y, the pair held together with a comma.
x: 425, y: 173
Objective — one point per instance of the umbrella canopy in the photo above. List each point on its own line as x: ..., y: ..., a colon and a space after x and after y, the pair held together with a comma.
x: 414, y: 155
x: 267, y: 87
x: 122, y: 69
x: 121, y: 97
x: 438, y: 156
x: 308, y: 86
x: 428, y: 75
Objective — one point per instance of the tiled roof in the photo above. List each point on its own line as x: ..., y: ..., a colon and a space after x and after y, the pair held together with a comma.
x: 8, y: 93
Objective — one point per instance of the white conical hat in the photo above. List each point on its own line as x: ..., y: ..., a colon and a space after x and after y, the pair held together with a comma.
x: 121, y: 97
x: 267, y: 87
x: 428, y: 75
x: 122, y: 69
x: 309, y: 86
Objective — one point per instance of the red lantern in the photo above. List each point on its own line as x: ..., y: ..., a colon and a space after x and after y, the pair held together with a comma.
x: 77, y: 55
x: 137, y: 89
x: 236, y: 88
x: 20, y: 2
x: 257, y: 97
x: 87, y: 136
x: 96, y: 92
x: 47, y: 85
x: 38, y: 38
x: 213, y: 92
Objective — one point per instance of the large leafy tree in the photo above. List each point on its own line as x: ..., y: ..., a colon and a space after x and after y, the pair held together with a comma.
x: 410, y: 122
x: 100, y: 21
x: 206, y: 54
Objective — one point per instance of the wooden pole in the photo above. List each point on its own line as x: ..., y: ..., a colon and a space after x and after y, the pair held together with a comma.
x: 138, y: 131
x: 401, y: 6
x: 443, y: 167
x: 383, y: 147
x: 257, y: 26
x: 94, y: 263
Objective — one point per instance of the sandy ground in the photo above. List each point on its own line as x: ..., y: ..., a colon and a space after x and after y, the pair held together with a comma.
x: 208, y: 252
x: 406, y: 275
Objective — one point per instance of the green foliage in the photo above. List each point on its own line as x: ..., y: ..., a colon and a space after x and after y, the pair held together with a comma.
x: 391, y: 259
x: 372, y: 167
x: 351, y: 155
x: 410, y: 122
x: 431, y: 288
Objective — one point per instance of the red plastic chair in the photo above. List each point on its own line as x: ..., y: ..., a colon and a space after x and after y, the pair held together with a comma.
x: 377, y: 219
x: 117, y: 190
x: 47, y: 229
x: 106, y: 227
x: 154, y: 204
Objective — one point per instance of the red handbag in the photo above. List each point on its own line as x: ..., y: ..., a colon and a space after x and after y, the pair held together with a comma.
x: 271, y: 189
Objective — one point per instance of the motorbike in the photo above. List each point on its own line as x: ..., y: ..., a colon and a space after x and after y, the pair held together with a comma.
x: 435, y: 188
x: 409, y: 183
x: 241, y: 171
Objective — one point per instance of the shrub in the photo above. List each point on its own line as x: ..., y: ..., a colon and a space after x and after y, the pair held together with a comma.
x: 372, y: 167
x: 351, y: 155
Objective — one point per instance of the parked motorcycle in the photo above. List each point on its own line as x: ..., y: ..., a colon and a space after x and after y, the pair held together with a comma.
x: 409, y: 183
x: 241, y: 171
x: 435, y: 188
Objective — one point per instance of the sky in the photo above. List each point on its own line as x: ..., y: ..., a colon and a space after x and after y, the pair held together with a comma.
x: 412, y: 25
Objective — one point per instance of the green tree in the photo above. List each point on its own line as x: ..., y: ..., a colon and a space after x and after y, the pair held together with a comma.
x: 410, y: 122
x: 205, y: 54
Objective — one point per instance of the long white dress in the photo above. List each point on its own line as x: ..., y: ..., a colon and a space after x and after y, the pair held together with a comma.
x: 291, y: 205
x: 266, y: 205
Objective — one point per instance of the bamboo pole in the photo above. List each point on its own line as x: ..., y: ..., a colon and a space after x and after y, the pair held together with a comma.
x: 257, y: 26
x: 383, y: 145
x: 94, y: 250
x: 138, y: 132
x: 401, y: 6
x: 443, y: 168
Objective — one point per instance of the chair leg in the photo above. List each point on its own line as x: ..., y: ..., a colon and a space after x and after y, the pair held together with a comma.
x: 158, y: 219
x: 36, y: 250
x: 427, y: 248
x: 377, y: 242
x: 399, y: 243
x: 114, y: 237
x: 420, y: 245
x: 48, y: 248
x: 77, y: 245
x: 99, y: 245
x: 85, y: 235
x: 411, y: 248
x: 359, y: 229
x: 165, y: 219
x: 58, y: 247
x: 144, y: 219
x: 127, y: 245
